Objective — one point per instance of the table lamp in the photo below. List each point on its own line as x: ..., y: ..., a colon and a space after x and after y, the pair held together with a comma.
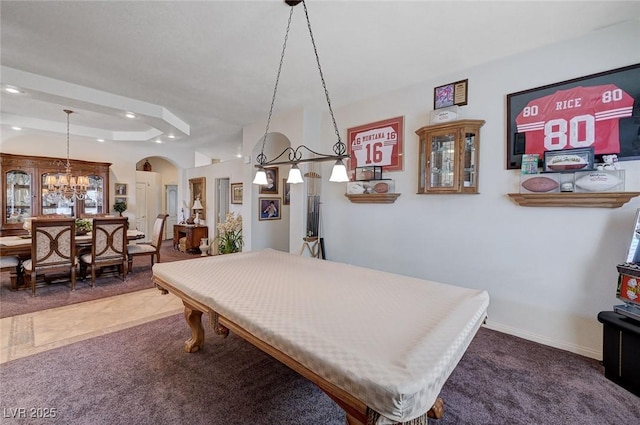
x: 197, y: 206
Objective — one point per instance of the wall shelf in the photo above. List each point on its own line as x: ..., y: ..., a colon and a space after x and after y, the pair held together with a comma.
x: 373, y: 198
x: 584, y: 200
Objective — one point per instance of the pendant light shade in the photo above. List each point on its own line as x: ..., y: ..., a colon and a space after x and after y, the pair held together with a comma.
x: 261, y: 177
x: 295, y: 176
x: 339, y: 173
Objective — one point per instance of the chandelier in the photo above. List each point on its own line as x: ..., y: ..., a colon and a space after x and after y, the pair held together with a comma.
x: 66, y: 186
x: 295, y: 155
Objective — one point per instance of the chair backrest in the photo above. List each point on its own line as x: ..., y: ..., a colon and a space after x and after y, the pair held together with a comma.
x: 158, y: 228
x: 53, y: 242
x: 109, y: 238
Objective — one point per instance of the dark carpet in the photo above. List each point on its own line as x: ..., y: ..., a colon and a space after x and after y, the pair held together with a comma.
x: 13, y: 303
x: 142, y: 376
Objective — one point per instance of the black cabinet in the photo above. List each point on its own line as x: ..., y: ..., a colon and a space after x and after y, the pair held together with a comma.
x: 621, y: 345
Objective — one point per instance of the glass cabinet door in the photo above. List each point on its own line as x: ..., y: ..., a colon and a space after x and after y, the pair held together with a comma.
x: 469, y: 158
x: 442, y: 161
x: 94, y: 201
x: 18, y: 198
x: 51, y: 202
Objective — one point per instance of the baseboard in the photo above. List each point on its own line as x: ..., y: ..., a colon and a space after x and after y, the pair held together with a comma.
x: 573, y: 348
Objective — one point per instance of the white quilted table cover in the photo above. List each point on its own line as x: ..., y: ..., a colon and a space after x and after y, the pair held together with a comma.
x: 389, y: 340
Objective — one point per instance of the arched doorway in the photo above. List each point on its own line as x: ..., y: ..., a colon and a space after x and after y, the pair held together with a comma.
x: 156, y: 193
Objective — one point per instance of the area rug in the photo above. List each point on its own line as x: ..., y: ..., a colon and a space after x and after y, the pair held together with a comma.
x: 13, y: 303
x: 142, y: 376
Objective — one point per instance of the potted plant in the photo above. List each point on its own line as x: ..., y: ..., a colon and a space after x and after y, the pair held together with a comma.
x: 83, y: 226
x: 120, y: 207
x: 230, y: 234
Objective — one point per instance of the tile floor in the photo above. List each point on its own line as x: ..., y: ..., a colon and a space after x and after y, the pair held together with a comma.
x: 32, y: 333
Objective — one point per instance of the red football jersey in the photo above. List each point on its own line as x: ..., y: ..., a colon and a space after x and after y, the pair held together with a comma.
x: 575, y: 118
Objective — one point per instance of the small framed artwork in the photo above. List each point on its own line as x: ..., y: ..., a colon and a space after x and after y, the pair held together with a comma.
x: 121, y: 189
x: 568, y: 160
x: 286, y: 199
x: 236, y: 193
x: 271, y: 187
x: 368, y: 173
x: 451, y: 94
x: 269, y: 208
x: 121, y: 200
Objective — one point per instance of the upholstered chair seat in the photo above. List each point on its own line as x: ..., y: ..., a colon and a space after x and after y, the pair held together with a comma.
x: 152, y: 249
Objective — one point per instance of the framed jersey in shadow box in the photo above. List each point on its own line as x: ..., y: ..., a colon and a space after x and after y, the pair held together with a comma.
x: 599, y: 111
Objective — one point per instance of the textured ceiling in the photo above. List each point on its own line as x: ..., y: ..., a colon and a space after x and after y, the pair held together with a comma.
x: 212, y: 64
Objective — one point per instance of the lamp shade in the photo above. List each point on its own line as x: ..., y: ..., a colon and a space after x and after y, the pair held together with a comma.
x: 261, y: 177
x: 339, y: 173
x: 197, y: 205
x: 295, y: 176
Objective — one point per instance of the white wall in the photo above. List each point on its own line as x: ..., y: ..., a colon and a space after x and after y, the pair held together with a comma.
x: 549, y: 271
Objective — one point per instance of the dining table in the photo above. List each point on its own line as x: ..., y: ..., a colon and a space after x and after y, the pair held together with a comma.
x: 20, y: 246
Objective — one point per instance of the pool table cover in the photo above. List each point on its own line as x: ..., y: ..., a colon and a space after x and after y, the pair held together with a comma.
x: 389, y: 340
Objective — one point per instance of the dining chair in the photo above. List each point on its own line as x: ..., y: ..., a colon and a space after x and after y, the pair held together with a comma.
x: 52, y: 248
x: 152, y: 249
x: 108, y: 247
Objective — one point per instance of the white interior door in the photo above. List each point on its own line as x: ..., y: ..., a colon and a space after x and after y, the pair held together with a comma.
x: 171, y: 199
x: 141, y: 210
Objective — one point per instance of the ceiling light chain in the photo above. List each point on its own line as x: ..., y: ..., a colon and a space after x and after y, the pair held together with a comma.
x: 262, y: 158
x: 339, y: 173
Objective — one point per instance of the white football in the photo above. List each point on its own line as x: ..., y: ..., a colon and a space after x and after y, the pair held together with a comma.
x: 598, y: 182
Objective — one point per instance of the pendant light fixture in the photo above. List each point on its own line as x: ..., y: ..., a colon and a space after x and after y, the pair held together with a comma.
x: 66, y: 186
x: 295, y: 155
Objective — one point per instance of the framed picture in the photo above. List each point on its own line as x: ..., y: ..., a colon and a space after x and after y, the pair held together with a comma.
x: 592, y: 111
x: 368, y: 173
x: 120, y: 200
x: 272, y: 182
x: 197, y: 190
x: 286, y: 199
x: 378, y: 143
x: 269, y: 209
x: 451, y: 94
x: 568, y: 160
x: 236, y: 193
x: 121, y: 189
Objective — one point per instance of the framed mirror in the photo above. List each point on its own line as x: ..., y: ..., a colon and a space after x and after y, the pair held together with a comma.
x: 197, y: 189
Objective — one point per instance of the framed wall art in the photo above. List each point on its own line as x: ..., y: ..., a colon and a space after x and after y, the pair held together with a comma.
x: 197, y: 189
x: 271, y: 187
x: 236, y: 193
x: 592, y: 111
x: 451, y: 94
x: 121, y: 189
x: 269, y: 208
x: 376, y: 144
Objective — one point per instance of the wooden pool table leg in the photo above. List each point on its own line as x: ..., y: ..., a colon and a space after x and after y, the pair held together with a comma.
x: 194, y: 320
x: 437, y: 410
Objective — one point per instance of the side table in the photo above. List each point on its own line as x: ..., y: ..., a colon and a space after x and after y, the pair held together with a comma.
x: 192, y: 235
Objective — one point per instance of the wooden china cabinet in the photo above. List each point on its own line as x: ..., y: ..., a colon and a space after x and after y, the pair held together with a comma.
x: 25, y: 193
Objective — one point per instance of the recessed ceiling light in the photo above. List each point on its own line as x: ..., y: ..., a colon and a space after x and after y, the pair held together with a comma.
x: 15, y: 127
x: 130, y: 115
x: 158, y: 141
x: 12, y: 90
x: 100, y: 140
x: 239, y: 155
x: 171, y: 136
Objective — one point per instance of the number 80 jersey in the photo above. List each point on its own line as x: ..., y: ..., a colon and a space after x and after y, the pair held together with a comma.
x: 575, y: 118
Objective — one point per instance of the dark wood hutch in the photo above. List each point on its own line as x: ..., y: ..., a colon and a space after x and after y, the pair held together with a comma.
x: 25, y: 193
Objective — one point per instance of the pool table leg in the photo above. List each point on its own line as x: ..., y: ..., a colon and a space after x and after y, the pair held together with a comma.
x: 194, y: 320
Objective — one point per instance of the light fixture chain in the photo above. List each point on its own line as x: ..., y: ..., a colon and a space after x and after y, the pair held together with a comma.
x: 261, y: 158
x: 340, y: 146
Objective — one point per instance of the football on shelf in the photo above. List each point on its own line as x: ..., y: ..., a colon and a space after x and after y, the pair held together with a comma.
x: 540, y: 184
x: 598, y: 182
x: 566, y: 163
